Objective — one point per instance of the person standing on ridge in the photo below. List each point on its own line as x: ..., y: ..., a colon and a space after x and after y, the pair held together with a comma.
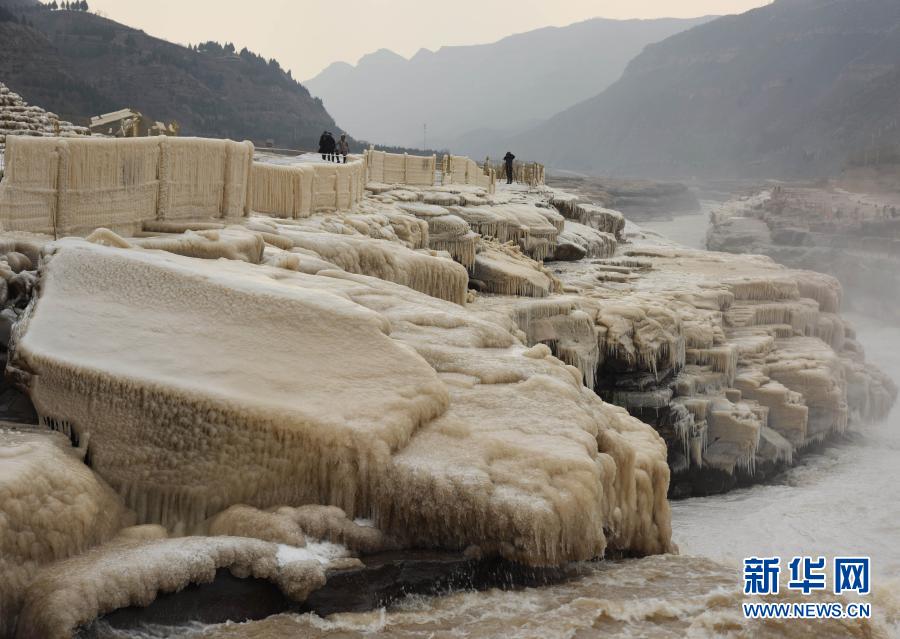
x: 332, y: 148
x: 508, y: 158
x: 326, y: 145
x: 343, y: 147
x: 323, y: 142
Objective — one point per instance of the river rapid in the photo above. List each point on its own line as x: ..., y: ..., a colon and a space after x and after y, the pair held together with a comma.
x: 840, y: 500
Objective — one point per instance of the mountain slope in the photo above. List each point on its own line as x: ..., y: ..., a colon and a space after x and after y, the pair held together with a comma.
x: 794, y: 88
x: 504, y: 86
x: 79, y: 64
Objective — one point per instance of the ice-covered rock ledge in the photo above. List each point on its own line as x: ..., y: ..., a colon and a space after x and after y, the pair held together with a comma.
x: 849, y: 228
x: 196, y: 384
x: 737, y: 361
x: 193, y: 377
x: 419, y: 363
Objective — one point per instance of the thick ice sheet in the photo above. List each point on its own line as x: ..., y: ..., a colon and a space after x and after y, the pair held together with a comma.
x: 206, y: 383
x: 161, y: 358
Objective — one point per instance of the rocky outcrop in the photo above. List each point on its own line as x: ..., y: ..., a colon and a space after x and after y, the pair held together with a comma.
x: 17, y: 117
x: 737, y: 361
x: 853, y: 235
x: 637, y: 199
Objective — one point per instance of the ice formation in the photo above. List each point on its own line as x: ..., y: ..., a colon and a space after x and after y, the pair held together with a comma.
x: 410, y: 357
x: 51, y: 507
x: 462, y: 170
x: 578, y: 241
x: 159, y: 288
x: 533, y: 229
x: 387, y: 169
x: 287, y: 525
x: 503, y: 269
x: 446, y: 232
x: 393, y: 168
x: 427, y: 273
x: 847, y: 227
x: 425, y: 396
x: 737, y: 361
x: 556, y: 322
x: 28, y: 196
x: 295, y: 191
x: 596, y: 217
x: 122, y: 573
x: 232, y: 244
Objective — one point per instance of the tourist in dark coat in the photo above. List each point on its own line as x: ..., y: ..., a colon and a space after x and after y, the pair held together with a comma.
x: 326, y: 146
x: 508, y: 158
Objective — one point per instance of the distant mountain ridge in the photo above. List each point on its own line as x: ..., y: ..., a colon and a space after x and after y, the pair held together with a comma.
x: 795, y: 88
x: 79, y: 64
x: 468, y: 93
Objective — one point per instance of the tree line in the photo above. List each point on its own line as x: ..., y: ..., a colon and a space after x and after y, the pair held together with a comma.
x: 76, y: 5
x: 8, y: 16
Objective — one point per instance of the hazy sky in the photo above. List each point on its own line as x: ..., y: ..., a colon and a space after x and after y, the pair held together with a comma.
x: 308, y: 35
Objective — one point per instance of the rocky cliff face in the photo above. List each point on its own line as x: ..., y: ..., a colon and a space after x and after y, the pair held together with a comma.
x: 792, y: 88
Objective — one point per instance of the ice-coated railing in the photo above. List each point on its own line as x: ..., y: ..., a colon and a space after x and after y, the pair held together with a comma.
x: 298, y: 190
x: 531, y: 173
x: 397, y: 168
x: 71, y: 186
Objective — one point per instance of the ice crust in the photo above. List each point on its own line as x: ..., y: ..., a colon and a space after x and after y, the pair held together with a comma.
x: 222, y: 382
x: 123, y: 573
x: 51, y: 507
x: 406, y: 374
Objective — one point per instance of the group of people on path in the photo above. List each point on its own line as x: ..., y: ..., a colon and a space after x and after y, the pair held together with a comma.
x: 333, y: 150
